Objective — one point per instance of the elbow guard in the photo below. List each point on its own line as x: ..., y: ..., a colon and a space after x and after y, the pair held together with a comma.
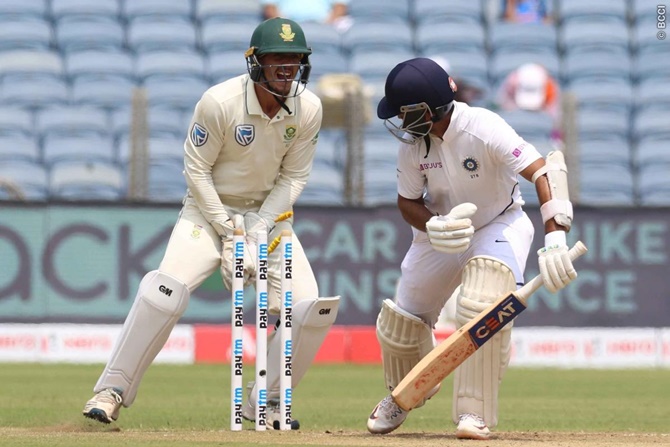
x: 558, y: 207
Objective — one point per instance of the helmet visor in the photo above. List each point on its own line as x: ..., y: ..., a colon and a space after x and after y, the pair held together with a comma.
x: 411, y: 125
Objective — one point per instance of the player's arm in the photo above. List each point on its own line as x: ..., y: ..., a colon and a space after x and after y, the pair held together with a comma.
x: 551, y: 183
x: 414, y: 212
x: 201, y: 149
x: 543, y: 193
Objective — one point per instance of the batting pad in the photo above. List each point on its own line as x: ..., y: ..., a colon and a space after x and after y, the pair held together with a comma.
x: 404, y: 339
x: 477, y: 380
x: 312, y: 319
x: 161, y: 300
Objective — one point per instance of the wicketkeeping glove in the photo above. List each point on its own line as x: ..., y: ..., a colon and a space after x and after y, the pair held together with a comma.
x: 452, y: 233
x: 227, y: 250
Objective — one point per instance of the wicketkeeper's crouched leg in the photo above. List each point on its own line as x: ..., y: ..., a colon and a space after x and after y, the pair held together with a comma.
x: 160, y: 302
x: 312, y: 319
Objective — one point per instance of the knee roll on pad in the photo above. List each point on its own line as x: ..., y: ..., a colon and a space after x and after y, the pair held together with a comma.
x: 477, y: 380
x: 312, y: 319
x: 160, y: 302
x: 404, y: 339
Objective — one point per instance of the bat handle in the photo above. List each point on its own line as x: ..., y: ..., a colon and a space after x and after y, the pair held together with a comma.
x: 531, y: 286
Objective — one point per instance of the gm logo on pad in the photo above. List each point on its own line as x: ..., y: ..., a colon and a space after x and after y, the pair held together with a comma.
x: 198, y: 135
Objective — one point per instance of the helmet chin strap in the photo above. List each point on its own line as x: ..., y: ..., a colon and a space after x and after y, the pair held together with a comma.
x: 281, y: 99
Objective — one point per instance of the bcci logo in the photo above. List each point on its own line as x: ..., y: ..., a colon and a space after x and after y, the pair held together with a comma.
x: 244, y: 134
x: 470, y: 164
x: 198, y: 135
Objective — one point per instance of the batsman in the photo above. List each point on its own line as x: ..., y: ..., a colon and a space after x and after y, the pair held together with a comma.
x: 247, y: 158
x: 458, y: 187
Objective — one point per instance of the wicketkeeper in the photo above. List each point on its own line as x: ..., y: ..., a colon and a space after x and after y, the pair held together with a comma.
x: 452, y: 154
x: 249, y: 152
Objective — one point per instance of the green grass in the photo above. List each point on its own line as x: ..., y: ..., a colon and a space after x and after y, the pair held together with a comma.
x: 189, y: 405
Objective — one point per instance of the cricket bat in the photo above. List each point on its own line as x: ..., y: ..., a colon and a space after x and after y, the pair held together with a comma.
x: 453, y: 351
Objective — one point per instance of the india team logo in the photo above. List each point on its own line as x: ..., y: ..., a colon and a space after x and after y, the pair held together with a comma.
x: 244, y: 134
x: 198, y: 135
x: 470, y: 164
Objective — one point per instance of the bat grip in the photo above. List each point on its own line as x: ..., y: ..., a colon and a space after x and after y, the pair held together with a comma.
x: 531, y: 286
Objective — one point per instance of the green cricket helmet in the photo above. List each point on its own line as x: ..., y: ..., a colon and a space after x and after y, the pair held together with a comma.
x: 278, y: 36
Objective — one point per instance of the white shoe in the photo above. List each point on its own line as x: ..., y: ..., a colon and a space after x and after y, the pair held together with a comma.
x: 386, y: 417
x: 471, y: 426
x: 272, y: 411
x: 104, y: 406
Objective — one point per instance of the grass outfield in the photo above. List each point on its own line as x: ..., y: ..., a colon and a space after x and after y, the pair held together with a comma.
x: 178, y: 405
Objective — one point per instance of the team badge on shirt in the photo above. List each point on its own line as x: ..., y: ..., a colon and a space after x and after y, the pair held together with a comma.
x: 244, y: 134
x: 470, y: 164
x: 198, y: 135
x: 289, y: 133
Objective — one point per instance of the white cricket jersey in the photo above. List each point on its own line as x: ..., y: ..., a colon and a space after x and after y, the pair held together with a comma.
x: 234, y: 150
x: 477, y: 161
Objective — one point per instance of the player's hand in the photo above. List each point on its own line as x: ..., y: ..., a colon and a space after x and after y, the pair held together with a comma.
x: 452, y: 233
x: 227, y: 252
x: 254, y: 222
x: 555, y: 265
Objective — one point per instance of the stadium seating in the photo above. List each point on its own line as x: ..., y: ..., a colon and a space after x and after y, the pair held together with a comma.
x: 581, y: 12
x: 30, y: 177
x: 325, y: 186
x: 15, y: 121
x: 165, y: 64
x: 530, y: 125
x: 595, y: 36
x: 110, y: 9
x: 79, y: 33
x: 27, y: 33
x: 161, y: 33
x: 378, y: 36
x: 232, y: 37
x: 105, y: 91
x: 224, y: 65
x: 68, y: 69
x: 48, y: 63
x: 34, y: 90
x: 166, y: 181
x: 653, y: 183
x: 456, y: 37
x: 19, y: 147
x: 58, y: 148
x: 70, y: 121
x: 374, y: 66
x: 25, y: 8
x: 173, y: 9
x: 395, y: 12
x: 95, y: 62
x: 180, y: 92
x: 441, y: 12
x: 86, y: 180
x: 229, y: 11
x: 606, y: 185
x: 616, y: 94
x: 507, y: 37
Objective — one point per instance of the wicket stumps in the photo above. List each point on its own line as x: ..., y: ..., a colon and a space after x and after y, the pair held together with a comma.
x: 261, y: 331
x: 284, y: 328
x: 237, y: 331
